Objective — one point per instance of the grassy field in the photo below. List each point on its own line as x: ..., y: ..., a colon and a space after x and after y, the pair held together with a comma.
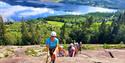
x: 59, y: 24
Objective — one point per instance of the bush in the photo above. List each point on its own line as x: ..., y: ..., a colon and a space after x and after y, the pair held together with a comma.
x: 44, y: 49
x: 10, y: 39
x: 7, y: 52
x: 106, y: 46
x: 87, y: 46
x: 65, y: 46
x: 117, y: 46
x: 31, y: 52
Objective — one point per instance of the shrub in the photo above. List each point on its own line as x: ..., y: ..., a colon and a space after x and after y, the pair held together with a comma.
x: 31, y: 52
x: 106, y: 46
x: 87, y: 46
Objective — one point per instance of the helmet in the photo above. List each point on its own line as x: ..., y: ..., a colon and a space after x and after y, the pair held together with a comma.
x: 53, y: 33
x: 71, y: 44
x: 61, y: 46
x: 75, y: 43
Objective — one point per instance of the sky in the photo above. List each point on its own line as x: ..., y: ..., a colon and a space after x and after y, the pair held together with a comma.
x: 16, y: 12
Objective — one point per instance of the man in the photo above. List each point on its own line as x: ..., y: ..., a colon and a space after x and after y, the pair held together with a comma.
x: 52, y: 44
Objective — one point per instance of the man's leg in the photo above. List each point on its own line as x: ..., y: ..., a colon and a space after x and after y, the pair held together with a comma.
x: 55, y: 52
x: 53, y: 58
x: 52, y: 55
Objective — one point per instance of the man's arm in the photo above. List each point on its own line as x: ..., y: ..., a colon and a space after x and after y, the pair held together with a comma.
x: 57, y: 48
x: 74, y: 50
x: 47, y: 47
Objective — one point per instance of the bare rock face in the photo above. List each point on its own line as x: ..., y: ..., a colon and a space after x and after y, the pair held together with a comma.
x: 118, y: 53
x: 21, y: 60
x: 86, y: 56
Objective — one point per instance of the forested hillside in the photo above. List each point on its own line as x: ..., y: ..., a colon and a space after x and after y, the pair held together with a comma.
x: 93, y: 28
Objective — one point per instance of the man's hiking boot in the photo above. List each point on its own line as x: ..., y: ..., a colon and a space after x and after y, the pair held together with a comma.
x: 53, y: 61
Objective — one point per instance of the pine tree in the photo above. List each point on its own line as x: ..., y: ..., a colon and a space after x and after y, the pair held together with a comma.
x: 102, y: 32
x: 119, y: 28
x: 62, y: 33
x: 32, y: 33
x: 38, y: 35
x: 26, y: 38
x: 121, y: 18
x: 89, y: 21
x: 114, y: 31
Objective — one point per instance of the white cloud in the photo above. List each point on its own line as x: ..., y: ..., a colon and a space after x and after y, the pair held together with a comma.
x: 104, y: 10
x: 2, y: 4
x: 99, y: 9
x: 22, y: 11
x: 11, y: 10
x: 36, y: 11
x: 74, y: 13
x: 7, y: 11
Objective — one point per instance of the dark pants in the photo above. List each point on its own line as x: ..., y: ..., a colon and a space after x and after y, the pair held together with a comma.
x: 51, y: 51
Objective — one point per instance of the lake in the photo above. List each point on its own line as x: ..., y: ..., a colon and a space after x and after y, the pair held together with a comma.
x: 44, y: 9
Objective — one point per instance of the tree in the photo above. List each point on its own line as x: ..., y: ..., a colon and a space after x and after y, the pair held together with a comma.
x: 32, y: 32
x: 89, y: 21
x: 121, y: 34
x: 38, y: 36
x: 121, y: 18
x: 26, y: 38
x: 78, y: 35
x: 62, y: 34
x: 2, y: 32
x: 114, y: 31
x: 119, y: 28
x: 104, y: 31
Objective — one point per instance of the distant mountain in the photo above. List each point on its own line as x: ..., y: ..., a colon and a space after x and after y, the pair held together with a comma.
x: 114, y: 4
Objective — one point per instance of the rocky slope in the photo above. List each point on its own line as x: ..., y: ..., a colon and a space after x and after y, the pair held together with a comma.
x: 86, y: 56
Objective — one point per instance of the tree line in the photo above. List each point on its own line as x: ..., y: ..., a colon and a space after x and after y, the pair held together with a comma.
x: 87, y: 29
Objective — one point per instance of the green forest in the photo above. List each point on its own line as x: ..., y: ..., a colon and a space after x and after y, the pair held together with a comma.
x: 92, y: 28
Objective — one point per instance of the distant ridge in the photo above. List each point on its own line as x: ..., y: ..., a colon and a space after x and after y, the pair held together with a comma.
x: 113, y: 4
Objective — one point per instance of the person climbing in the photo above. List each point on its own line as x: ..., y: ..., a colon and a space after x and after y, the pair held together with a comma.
x: 71, y: 50
x: 62, y: 51
x: 76, y: 45
x: 80, y: 47
x: 52, y: 44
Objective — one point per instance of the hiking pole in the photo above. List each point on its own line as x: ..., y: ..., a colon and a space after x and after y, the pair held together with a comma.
x: 47, y: 59
x: 110, y: 54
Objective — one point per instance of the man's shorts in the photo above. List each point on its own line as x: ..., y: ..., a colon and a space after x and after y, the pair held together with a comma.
x: 51, y: 51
